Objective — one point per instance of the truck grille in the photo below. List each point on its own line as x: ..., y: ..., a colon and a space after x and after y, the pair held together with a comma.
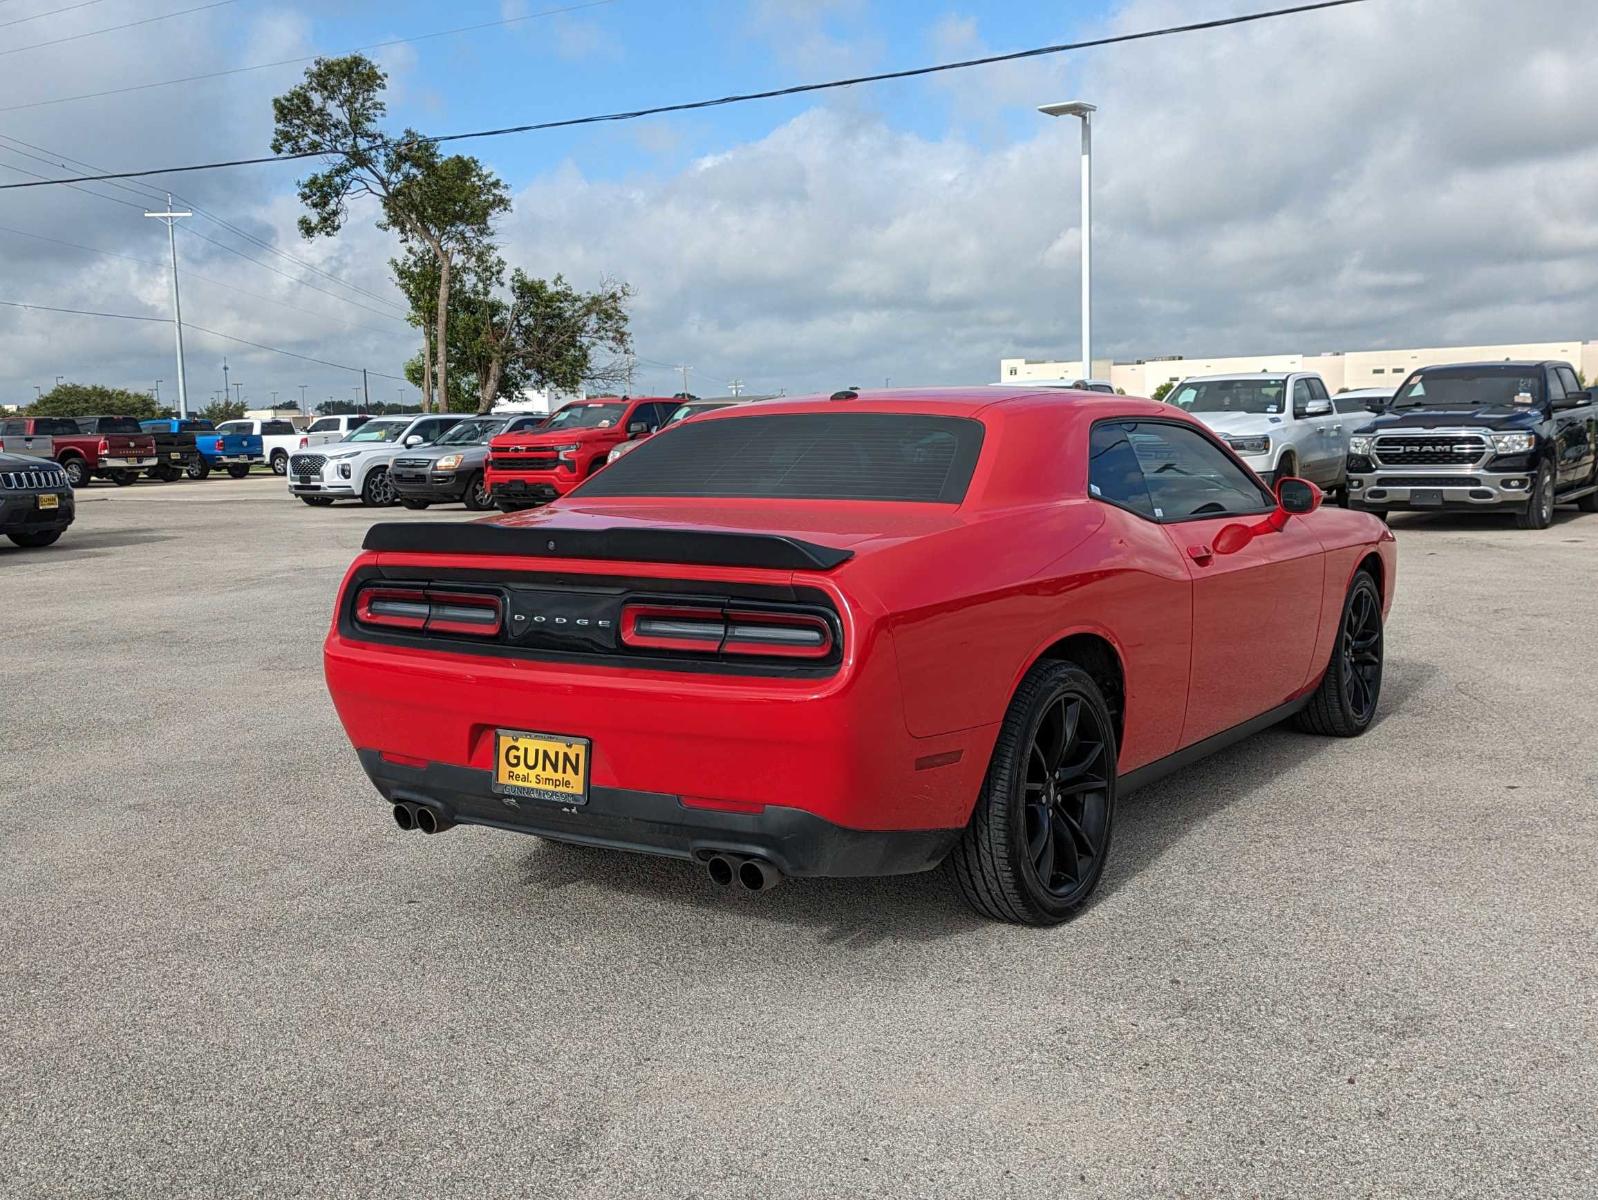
x: 415, y: 463
x: 18, y: 481
x: 541, y: 462
x: 1430, y: 449
x: 307, y: 464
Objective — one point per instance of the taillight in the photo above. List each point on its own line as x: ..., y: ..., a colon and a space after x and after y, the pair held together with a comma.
x: 430, y: 610
x: 304, y: 442
x: 762, y: 633
x: 105, y: 447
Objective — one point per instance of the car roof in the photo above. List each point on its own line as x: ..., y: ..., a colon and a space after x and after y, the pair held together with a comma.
x: 1511, y: 364
x: 945, y: 401
x: 1248, y: 375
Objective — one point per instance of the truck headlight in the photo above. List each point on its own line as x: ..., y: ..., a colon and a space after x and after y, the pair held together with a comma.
x: 1250, y: 445
x: 448, y: 463
x: 1514, y: 443
x: 1360, y: 444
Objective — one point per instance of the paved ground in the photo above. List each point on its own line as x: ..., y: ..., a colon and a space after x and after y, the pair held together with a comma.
x: 1315, y: 968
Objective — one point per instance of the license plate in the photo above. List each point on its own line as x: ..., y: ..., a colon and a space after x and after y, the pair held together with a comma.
x: 48, y: 501
x: 175, y: 454
x: 1428, y: 496
x: 541, y: 766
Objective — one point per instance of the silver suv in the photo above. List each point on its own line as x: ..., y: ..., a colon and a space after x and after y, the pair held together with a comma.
x: 1280, y: 424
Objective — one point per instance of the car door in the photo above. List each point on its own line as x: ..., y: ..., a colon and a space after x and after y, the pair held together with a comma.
x: 1308, y: 432
x: 1574, y: 428
x: 1333, y: 435
x: 1257, y: 605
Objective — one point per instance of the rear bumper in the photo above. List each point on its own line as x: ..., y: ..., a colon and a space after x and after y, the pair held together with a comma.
x: 1475, y: 489
x: 795, y: 841
x: 20, y: 513
x: 130, y: 463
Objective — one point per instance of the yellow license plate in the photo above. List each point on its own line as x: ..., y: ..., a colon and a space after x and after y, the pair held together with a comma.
x: 48, y: 501
x: 541, y: 766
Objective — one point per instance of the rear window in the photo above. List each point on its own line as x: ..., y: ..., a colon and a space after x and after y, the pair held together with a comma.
x: 278, y: 427
x: 803, y: 456
x: 195, y: 427
x: 112, y: 425
x: 56, y: 427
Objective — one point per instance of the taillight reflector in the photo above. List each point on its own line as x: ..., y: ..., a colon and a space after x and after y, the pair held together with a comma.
x: 430, y: 610
x: 756, y: 632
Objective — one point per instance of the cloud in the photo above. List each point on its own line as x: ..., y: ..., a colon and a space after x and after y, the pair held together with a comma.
x: 1333, y: 181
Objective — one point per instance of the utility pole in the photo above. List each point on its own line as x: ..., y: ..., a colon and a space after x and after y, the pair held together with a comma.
x: 224, y: 379
x: 238, y: 394
x: 685, y: 370
x: 302, y: 398
x: 735, y: 387
x: 274, y: 399
x: 366, y: 392
x: 157, y: 393
x: 170, y: 216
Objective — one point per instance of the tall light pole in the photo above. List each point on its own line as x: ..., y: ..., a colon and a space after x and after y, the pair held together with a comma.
x: 170, y: 216
x: 158, y: 384
x: 1084, y: 110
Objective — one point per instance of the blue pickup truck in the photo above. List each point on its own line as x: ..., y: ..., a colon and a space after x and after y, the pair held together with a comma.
x: 235, y: 452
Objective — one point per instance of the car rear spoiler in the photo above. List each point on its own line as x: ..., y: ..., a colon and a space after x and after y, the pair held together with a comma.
x: 696, y: 547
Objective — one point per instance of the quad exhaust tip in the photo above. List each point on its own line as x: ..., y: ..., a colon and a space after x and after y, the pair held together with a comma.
x: 753, y: 874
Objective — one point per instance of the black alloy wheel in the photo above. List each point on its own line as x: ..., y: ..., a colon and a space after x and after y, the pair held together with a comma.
x: 77, y: 472
x: 476, y: 495
x: 197, y: 469
x: 1539, y: 510
x: 378, y: 490
x: 280, y: 463
x: 1344, y: 705
x: 1039, y: 836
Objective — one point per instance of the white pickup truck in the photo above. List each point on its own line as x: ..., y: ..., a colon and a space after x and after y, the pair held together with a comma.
x: 279, y: 439
x: 1280, y: 424
x: 325, y: 430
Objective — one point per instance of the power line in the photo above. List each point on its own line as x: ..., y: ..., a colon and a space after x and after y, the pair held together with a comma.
x: 744, y: 97
x: 291, y: 62
x: 51, y: 13
x: 301, y: 282
x: 84, y: 312
x: 145, y: 191
x: 75, y: 37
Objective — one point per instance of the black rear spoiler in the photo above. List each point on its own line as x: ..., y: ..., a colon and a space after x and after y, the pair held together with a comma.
x: 695, y: 547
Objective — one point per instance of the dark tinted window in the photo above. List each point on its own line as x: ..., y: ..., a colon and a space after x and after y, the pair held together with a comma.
x: 112, y: 425
x: 1317, y: 390
x: 278, y: 427
x: 1465, y: 388
x: 195, y: 427
x: 1189, y: 476
x: 321, y: 424
x: 803, y: 456
x: 1556, y: 386
x: 1568, y: 378
x: 1351, y: 404
x: 14, y: 427
x: 56, y: 426
x: 1114, y: 473
x: 523, y: 424
x: 1300, y: 397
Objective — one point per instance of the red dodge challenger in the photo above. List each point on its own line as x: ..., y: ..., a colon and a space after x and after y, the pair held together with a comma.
x: 862, y: 635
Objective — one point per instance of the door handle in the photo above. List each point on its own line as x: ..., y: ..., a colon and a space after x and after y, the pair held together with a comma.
x: 1201, y: 555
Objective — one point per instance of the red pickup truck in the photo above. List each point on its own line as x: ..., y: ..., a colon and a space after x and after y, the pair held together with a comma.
x: 525, y: 469
x: 114, y: 448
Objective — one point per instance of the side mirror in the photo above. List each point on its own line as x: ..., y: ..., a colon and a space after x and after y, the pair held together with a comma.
x: 1297, y: 496
x: 1375, y: 405
x: 637, y: 427
x: 1573, y: 400
x: 414, y: 440
x: 1319, y: 408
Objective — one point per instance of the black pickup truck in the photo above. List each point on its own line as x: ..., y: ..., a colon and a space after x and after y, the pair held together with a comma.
x: 176, y: 452
x: 1504, y: 436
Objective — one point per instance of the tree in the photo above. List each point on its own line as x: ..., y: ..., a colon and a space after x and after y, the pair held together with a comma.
x: 462, y: 396
x: 91, y: 399
x: 222, y: 410
x: 545, y: 334
x: 445, y: 204
x: 1161, y: 392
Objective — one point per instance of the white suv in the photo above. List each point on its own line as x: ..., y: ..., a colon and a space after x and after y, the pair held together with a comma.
x: 1280, y: 424
x: 357, y: 468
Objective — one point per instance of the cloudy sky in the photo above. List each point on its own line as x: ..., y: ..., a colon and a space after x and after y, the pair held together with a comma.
x: 1396, y: 173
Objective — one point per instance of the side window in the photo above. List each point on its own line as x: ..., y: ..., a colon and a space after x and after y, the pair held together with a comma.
x: 1568, y: 378
x: 1317, y: 390
x: 1114, y: 473
x: 1188, y: 476
x: 648, y: 414
x: 1300, y: 397
x: 1556, y: 387
x: 524, y: 423
x: 13, y: 428
x: 1348, y: 404
x: 322, y: 424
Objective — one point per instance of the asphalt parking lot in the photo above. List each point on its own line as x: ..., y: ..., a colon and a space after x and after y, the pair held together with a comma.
x: 1314, y: 968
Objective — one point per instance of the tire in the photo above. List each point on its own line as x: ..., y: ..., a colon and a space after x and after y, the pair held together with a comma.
x: 165, y: 474
x: 1539, y: 510
x: 476, y: 496
x: 124, y: 478
x: 1009, y: 863
x: 238, y: 470
x: 1589, y: 502
x: 280, y: 463
x: 1344, y: 705
x: 198, y: 469
x: 378, y: 490
x: 35, y: 541
x: 318, y: 501
x: 414, y: 505
x: 1285, y: 466
x: 77, y: 472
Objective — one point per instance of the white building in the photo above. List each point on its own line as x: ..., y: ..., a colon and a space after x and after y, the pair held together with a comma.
x: 1341, y: 371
